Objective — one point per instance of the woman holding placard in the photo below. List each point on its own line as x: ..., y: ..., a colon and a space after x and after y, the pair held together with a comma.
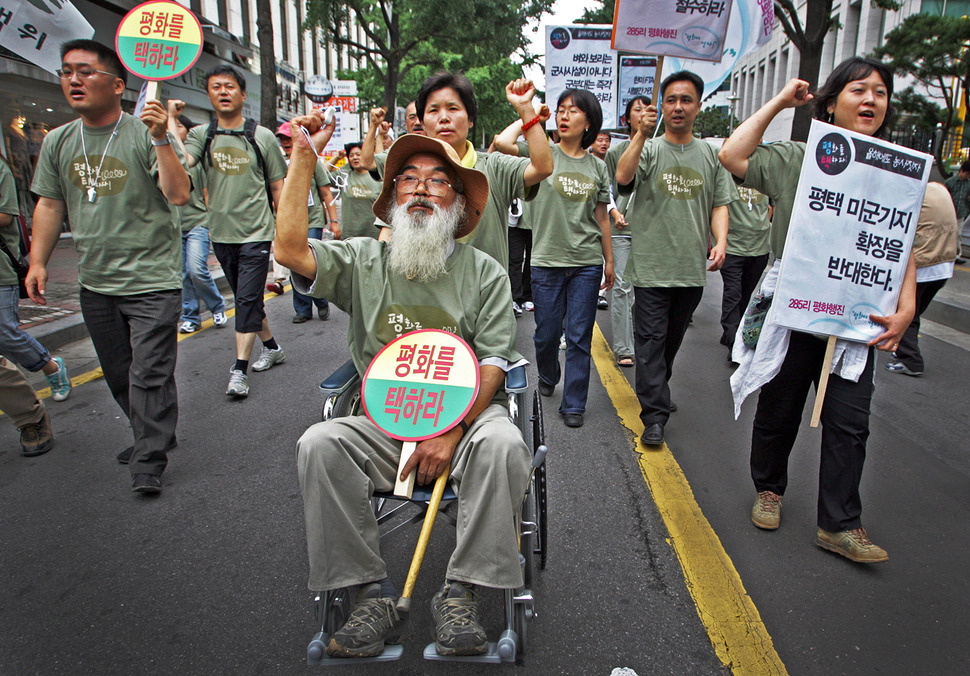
x: 786, y: 363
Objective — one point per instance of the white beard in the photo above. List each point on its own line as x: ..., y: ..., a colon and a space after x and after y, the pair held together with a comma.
x: 421, y: 242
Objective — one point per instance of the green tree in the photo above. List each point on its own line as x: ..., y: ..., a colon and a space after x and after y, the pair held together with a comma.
x: 713, y: 121
x: 407, y: 34
x: 602, y: 14
x: 932, y: 50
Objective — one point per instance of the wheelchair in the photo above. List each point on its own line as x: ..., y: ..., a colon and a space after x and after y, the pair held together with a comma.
x: 342, y: 396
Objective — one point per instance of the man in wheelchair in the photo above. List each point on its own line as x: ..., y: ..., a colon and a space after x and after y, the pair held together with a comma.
x: 422, y: 278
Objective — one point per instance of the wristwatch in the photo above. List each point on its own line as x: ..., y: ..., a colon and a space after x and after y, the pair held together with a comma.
x: 161, y: 141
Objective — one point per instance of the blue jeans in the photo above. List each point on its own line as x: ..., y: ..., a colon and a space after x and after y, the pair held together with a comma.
x: 196, y: 278
x: 303, y: 305
x: 566, y: 294
x: 16, y: 344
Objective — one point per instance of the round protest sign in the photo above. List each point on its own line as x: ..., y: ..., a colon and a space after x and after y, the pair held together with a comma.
x: 159, y: 40
x: 318, y: 89
x: 420, y: 385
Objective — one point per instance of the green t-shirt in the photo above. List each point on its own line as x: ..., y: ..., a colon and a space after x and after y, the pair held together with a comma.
x: 773, y: 169
x: 11, y: 232
x: 321, y: 179
x: 472, y: 299
x: 239, y: 208
x: 622, y: 199
x: 126, y: 240
x: 749, y: 227
x: 564, y: 228
x: 357, y: 204
x: 675, y: 190
x: 193, y: 212
x: 506, y: 181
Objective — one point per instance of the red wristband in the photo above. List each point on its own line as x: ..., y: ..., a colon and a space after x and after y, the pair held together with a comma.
x: 531, y: 123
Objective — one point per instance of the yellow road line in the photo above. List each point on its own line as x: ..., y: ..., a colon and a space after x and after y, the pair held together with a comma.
x: 98, y: 373
x: 730, y: 617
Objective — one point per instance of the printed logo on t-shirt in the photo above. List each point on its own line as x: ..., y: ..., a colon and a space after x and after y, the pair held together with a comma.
x: 681, y: 183
x: 361, y: 192
x: 111, y: 180
x: 400, y: 319
x: 750, y: 196
x: 575, y: 187
x: 230, y: 161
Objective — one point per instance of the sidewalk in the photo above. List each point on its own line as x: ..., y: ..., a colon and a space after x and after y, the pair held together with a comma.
x: 59, y: 322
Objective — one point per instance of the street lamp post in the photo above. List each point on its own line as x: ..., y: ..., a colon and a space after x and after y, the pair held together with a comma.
x: 733, y: 100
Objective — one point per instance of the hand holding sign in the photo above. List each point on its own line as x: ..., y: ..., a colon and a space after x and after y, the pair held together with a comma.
x: 648, y: 121
x: 155, y: 118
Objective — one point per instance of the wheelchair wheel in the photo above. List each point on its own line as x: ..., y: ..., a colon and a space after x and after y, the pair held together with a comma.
x: 540, y: 543
x: 348, y: 402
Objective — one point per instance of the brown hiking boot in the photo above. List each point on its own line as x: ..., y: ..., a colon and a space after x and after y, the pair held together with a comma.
x: 36, y: 438
x: 373, y: 622
x: 766, y: 512
x: 854, y: 545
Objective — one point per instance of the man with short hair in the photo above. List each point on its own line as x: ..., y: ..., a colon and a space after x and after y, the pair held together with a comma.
x: 422, y: 274
x: 959, y: 187
x: 412, y: 123
x: 243, y: 172
x: 601, y: 145
x: 358, y: 195
x: 114, y: 180
x: 680, y: 200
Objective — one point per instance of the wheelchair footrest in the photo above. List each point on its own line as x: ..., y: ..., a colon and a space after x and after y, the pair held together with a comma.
x: 316, y: 654
x: 502, y: 651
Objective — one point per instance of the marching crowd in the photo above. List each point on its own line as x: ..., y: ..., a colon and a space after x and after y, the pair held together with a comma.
x: 459, y: 238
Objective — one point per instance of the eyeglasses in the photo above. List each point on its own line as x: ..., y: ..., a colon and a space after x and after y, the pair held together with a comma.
x: 436, y: 187
x: 85, y: 72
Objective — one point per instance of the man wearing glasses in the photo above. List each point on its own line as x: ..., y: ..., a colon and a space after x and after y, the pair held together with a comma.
x: 114, y: 177
x: 420, y: 278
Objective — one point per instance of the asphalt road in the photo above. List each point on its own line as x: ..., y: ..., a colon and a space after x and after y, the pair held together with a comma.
x: 210, y: 576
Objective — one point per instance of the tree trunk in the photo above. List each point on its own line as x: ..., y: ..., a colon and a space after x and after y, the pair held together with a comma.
x: 817, y: 23
x: 267, y: 64
x: 392, y: 76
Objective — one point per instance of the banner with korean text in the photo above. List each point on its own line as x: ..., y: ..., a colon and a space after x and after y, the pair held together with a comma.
x: 36, y: 29
x: 852, y: 228
x: 688, y: 29
x: 579, y: 57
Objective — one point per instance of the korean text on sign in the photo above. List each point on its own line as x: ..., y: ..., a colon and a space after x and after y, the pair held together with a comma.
x: 429, y: 361
x: 156, y: 54
x: 161, y: 25
x: 27, y: 31
x: 414, y: 404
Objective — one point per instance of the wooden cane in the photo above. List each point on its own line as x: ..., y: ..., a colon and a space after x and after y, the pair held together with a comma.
x: 823, y: 381
x: 403, y: 605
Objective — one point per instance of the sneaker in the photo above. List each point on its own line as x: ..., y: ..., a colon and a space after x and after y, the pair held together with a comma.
x: 276, y: 287
x: 36, y: 438
x: 299, y: 319
x: 238, y: 384
x: 602, y: 304
x: 372, y: 623
x: 854, y: 545
x: 219, y: 320
x: 457, y: 630
x: 324, y: 312
x: 268, y: 359
x: 188, y: 327
x: 899, y: 367
x: 516, y: 309
x: 529, y: 306
x: 60, y: 381
x: 766, y: 512
x: 146, y: 483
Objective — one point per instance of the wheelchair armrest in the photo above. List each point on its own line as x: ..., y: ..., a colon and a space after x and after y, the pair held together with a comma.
x: 339, y: 380
x: 516, y: 380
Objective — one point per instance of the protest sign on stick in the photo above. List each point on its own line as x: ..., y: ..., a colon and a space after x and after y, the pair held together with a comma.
x: 853, y: 223
x: 158, y: 40
x: 579, y: 57
x: 418, y: 387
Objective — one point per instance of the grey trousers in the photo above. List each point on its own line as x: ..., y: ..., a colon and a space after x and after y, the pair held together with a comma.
x: 342, y: 462
x: 136, y: 341
x: 17, y: 398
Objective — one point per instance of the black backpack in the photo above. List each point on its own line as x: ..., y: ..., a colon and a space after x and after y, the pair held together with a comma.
x: 249, y: 133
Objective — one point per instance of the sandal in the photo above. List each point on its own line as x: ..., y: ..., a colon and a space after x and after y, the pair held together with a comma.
x: 626, y: 361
